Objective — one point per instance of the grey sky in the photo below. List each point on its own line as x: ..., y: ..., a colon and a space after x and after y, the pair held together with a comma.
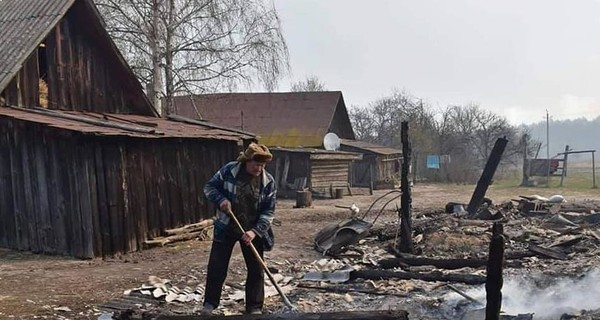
x: 516, y: 58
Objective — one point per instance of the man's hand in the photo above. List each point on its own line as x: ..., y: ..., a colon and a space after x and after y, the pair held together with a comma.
x: 248, y: 236
x: 225, y: 206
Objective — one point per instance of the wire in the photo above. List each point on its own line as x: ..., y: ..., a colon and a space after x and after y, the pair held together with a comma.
x: 376, y: 200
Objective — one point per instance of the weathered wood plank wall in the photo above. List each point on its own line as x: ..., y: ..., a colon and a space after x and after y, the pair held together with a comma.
x: 326, y: 174
x: 381, y: 167
x: 70, y: 194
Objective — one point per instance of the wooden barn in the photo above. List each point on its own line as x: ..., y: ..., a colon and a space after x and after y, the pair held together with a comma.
x: 379, y: 167
x: 88, y: 168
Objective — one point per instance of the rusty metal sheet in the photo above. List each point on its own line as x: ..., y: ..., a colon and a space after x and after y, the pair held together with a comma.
x: 120, y: 125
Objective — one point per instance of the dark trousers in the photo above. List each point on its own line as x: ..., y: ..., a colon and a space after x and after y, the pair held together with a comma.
x: 218, y: 264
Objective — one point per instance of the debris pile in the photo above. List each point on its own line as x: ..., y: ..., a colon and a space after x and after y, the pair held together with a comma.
x: 554, y: 239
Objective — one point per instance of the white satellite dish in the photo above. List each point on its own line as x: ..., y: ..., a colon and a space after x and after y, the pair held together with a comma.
x: 331, y: 141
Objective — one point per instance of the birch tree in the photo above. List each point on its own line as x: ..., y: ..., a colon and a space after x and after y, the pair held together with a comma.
x: 198, y: 46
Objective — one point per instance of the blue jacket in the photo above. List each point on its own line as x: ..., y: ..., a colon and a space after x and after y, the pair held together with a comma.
x: 223, y: 186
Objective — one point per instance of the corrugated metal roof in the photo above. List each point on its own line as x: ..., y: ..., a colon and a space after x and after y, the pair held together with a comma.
x: 286, y: 119
x: 23, y: 25
x: 120, y: 125
x: 371, y: 147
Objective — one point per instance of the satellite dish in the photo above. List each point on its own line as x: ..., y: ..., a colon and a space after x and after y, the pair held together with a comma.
x: 331, y: 141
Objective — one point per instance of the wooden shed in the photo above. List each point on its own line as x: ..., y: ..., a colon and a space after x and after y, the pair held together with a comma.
x: 93, y: 171
x: 317, y: 170
x: 379, y: 167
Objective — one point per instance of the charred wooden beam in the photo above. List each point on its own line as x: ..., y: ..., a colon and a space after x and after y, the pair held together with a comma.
x: 406, y: 242
x: 487, y: 175
x: 493, y: 284
x: 341, y: 315
x: 548, y: 252
x: 346, y: 289
x: 437, y: 276
x: 438, y: 263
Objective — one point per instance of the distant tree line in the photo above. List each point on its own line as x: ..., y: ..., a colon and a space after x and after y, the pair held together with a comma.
x: 463, y: 136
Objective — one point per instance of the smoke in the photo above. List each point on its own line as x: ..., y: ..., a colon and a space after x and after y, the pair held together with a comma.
x: 545, y: 296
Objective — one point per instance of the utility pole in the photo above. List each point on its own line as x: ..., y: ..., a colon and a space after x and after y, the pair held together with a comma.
x: 548, y: 148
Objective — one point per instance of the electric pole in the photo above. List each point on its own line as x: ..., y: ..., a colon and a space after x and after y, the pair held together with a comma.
x: 548, y: 148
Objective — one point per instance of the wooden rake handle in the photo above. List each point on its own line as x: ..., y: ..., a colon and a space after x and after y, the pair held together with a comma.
x: 262, y: 263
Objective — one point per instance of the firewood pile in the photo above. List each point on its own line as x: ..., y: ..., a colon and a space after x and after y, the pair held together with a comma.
x: 201, y: 230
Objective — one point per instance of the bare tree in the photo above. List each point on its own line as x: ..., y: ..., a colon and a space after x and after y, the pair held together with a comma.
x: 380, y: 122
x: 468, y: 133
x: 312, y: 83
x: 465, y: 133
x: 198, y: 46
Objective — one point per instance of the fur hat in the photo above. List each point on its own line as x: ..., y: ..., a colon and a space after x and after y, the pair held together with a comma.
x: 256, y: 152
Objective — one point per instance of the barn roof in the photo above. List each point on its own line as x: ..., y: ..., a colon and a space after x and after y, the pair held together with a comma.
x: 286, y: 119
x: 123, y: 125
x: 370, y: 147
x: 24, y: 24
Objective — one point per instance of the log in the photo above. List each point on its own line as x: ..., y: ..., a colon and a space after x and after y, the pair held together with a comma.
x: 345, y: 289
x: 161, y: 241
x: 438, y: 263
x: 551, y: 253
x: 386, y: 274
x: 449, y: 264
x: 191, y: 227
x: 340, y: 315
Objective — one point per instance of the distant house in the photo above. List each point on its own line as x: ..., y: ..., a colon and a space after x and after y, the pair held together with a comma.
x: 379, y: 167
x: 87, y: 167
x: 280, y: 119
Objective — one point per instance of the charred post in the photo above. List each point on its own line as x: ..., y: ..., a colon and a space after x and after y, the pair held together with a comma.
x: 494, y: 281
x: 487, y: 175
x: 525, y: 181
x: 406, y: 243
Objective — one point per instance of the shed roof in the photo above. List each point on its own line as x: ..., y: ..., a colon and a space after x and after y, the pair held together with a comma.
x: 287, y: 119
x: 320, y: 154
x: 122, y: 125
x: 24, y: 24
x: 370, y: 147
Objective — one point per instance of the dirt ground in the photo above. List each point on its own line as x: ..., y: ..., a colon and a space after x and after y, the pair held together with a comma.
x: 36, y: 286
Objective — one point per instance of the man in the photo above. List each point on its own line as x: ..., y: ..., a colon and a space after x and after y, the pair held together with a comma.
x: 245, y: 188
